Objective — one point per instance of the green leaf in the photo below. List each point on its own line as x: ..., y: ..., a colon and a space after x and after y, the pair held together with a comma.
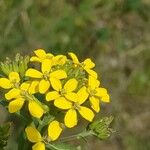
x: 101, y: 127
x: 60, y: 146
x: 22, y: 142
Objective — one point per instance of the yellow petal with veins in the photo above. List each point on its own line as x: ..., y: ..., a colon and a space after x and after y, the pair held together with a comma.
x: 34, y: 87
x: 33, y: 73
x: 56, y: 84
x: 34, y: 58
x: 46, y: 65
x: 62, y: 103
x: 25, y: 86
x: 74, y: 58
x: 49, y: 55
x: 15, y: 105
x: 40, y: 53
x: 5, y: 83
x: 54, y: 130
x: 72, y: 96
x: 71, y: 118
x: 105, y: 98
x: 95, y: 103
x: 13, y: 93
x: 71, y: 85
x: 86, y: 113
x: 91, y: 72
x: 88, y: 63
x: 14, y: 77
x: 33, y: 134
x: 93, y: 83
x: 44, y: 86
x: 38, y: 146
x: 52, y: 95
x: 58, y: 74
x: 35, y: 109
x: 100, y: 92
x: 59, y: 60
x: 82, y: 95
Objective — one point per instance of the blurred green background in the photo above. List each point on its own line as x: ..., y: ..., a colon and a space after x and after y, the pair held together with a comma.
x: 114, y: 33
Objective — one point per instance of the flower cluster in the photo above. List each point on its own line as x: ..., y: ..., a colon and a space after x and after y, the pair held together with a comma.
x: 57, y: 85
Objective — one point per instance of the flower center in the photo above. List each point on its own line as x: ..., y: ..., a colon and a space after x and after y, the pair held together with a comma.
x: 46, y: 75
x: 62, y: 92
x: 76, y: 106
x: 26, y: 95
x: 15, y: 84
x: 92, y: 92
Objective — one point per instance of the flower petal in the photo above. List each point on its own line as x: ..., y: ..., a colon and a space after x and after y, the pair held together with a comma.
x: 56, y: 84
x: 62, y: 103
x: 15, y: 105
x: 95, y: 103
x: 52, y: 95
x: 33, y: 134
x: 35, y: 109
x: 74, y: 58
x: 71, y: 118
x: 33, y: 73
x: 82, y: 95
x: 59, y: 60
x: 38, y: 146
x: 102, y: 92
x: 54, y: 130
x: 58, y: 74
x: 25, y: 86
x: 5, y: 83
x: 86, y: 113
x: 72, y: 96
x: 71, y: 85
x: 14, y: 77
x: 13, y: 93
x: 34, y: 87
x: 105, y: 98
x: 34, y: 58
x: 40, y: 53
x: 93, y: 82
x: 44, y: 86
x: 49, y: 55
x: 46, y: 65
x: 91, y: 72
x: 88, y: 63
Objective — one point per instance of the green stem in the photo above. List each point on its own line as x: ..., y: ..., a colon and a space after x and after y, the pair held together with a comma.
x: 83, y: 134
x: 52, y: 146
x: 69, y: 138
x: 21, y: 117
x: 45, y: 107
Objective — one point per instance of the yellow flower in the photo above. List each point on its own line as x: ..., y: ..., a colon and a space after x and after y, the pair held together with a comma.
x: 34, y: 136
x: 96, y: 93
x: 63, y: 93
x: 41, y: 55
x: 18, y: 97
x: 71, y: 115
x: 72, y: 104
x: 12, y: 81
x: 87, y: 64
x: 54, y: 130
x: 46, y: 78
